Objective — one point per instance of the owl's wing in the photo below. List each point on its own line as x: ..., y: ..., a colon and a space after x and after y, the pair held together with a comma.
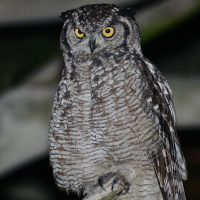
x: 169, y: 163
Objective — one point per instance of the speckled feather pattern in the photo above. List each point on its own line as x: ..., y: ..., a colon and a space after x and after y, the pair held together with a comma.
x: 113, y: 114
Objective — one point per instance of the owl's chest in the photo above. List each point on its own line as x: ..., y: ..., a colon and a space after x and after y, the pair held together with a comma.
x: 114, y: 87
x: 105, y: 92
x: 104, y: 83
x: 106, y: 106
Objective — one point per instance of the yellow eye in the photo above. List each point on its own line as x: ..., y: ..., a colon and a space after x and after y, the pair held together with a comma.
x: 79, y: 33
x: 108, y: 32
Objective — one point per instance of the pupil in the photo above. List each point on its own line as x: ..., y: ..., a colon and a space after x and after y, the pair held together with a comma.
x: 107, y: 30
x: 79, y: 31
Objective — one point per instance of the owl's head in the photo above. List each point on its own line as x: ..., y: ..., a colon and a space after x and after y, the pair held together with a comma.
x: 92, y: 28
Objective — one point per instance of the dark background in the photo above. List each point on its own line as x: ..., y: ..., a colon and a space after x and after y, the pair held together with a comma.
x: 26, y: 48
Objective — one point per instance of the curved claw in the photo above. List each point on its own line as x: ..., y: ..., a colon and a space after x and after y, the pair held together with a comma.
x: 84, y: 194
x: 100, y: 181
x: 126, y: 190
x: 115, y: 180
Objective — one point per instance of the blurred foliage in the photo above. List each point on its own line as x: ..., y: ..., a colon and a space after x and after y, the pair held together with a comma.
x: 176, y: 52
x: 161, y: 28
x: 24, y: 50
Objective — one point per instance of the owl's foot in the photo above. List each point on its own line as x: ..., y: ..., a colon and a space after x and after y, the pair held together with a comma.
x: 113, y: 183
x: 116, y: 180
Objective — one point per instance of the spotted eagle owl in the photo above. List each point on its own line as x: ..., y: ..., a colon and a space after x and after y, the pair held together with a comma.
x: 113, y: 117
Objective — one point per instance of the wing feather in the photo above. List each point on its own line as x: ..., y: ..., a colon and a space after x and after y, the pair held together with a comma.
x: 169, y: 163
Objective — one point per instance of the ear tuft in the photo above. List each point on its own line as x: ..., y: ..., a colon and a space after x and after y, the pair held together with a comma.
x: 63, y: 15
x: 66, y: 14
x: 127, y: 12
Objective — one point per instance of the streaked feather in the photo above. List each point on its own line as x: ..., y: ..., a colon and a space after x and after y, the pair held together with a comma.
x: 169, y: 163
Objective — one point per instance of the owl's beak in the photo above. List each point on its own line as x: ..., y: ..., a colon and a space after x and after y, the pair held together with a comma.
x: 92, y: 44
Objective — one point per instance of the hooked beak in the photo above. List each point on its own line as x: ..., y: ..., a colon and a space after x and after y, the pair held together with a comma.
x: 92, y: 44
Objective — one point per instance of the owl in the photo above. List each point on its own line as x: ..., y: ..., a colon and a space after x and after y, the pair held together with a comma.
x: 113, y: 118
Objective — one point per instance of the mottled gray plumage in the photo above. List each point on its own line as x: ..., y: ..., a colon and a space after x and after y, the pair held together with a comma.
x: 113, y: 114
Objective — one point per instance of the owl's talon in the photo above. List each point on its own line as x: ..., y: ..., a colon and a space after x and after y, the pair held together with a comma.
x: 100, y: 181
x: 84, y: 194
x: 115, y: 180
x: 126, y: 190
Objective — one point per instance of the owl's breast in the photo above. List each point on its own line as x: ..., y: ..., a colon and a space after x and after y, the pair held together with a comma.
x: 118, y: 105
x: 98, y: 118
